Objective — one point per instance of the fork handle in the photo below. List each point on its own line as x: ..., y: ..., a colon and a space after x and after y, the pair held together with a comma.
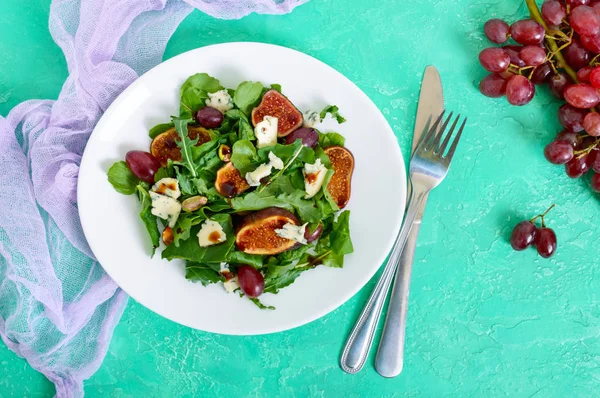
x: 360, y: 340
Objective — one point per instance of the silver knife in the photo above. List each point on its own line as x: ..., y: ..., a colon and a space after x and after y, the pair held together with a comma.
x: 390, y: 355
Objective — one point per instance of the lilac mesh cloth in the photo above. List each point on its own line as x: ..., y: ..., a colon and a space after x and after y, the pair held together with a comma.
x: 58, y: 308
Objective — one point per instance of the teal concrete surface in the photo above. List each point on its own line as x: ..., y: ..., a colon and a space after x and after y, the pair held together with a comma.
x: 484, y: 321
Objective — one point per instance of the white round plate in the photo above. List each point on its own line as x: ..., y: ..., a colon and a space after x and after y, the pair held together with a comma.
x: 117, y: 237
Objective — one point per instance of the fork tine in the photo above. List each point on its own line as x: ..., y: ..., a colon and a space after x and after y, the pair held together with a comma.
x: 425, y: 140
x: 439, y: 135
x: 455, y: 142
x: 447, y: 139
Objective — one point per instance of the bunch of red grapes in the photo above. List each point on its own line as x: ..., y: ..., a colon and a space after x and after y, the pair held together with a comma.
x: 560, y: 47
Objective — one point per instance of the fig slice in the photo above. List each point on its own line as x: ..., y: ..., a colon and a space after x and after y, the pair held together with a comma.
x: 256, y: 233
x: 164, y: 147
x: 229, y: 181
x: 277, y: 105
x: 342, y: 162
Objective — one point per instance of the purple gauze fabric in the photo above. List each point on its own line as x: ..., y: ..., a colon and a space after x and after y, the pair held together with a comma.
x: 58, y: 308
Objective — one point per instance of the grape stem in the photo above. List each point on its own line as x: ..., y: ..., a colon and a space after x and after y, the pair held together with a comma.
x: 542, y: 215
x: 537, y: 16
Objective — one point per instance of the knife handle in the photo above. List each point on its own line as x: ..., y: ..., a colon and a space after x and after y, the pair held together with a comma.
x: 390, y: 354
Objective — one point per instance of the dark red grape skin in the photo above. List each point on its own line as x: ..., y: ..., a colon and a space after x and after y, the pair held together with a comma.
x: 567, y: 136
x: 553, y: 12
x: 595, y: 77
x: 575, y: 3
x: 545, y: 242
x: 519, y: 90
x: 596, y: 182
x: 558, y: 152
x: 251, y: 281
x: 527, y: 31
x: 309, y: 136
x: 209, y: 118
x: 591, y: 43
x: 492, y: 86
x: 513, y: 53
x: 591, y: 124
x: 311, y: 236
x: 142, y: 164
x: 557, y: 84
x: 575, y: 55
x: 577, y: 167
x: 585, y: 21
x: 494, y: 59
x: 594, y: 160
x: 496, y: 30
x: 583, y: 74
x: 523, y: 235
x: 582, y: 96
x: 571, y: 118
x: 533, y: 55
x: 541, y: 74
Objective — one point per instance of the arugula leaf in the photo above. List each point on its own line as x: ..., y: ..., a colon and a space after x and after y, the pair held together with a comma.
x: 158, y: 129
x: 203, y: 273
x: 147, y: 217
x: 186, y: 221
x: 306, y: 209
x: 325, y: 194
x: 185, y: 183
x: 235, y: 114
x: 334, y: 111
x: 340, y: 234
x: 198, y: 152
x: 259, y: 200
x: 190, y: 250
x: 247, y: 95
x: 287, y: 152
x: 280, y: 276
x: 243, y: 156
x: 185, y: 144
x: 276, y: 87
x: 331, y: 139
x: 122, y: 179
x: 320, y: 154
x: 161, y: 173
x: 260, y: 305
x: 194, y: 92
x: 237, y: 257
x: 245, y: 130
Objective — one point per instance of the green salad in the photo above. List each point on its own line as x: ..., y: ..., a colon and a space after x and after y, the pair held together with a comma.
x: 243, y: 187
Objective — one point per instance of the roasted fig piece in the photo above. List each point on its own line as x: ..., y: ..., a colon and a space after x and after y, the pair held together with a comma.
x: 277, y: 105
x: 342, y: 163
x: 164, y: 147
x: 229, y: 181
x: 256, y: 233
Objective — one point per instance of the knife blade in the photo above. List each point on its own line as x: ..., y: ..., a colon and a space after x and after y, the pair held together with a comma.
x: 390, y: 354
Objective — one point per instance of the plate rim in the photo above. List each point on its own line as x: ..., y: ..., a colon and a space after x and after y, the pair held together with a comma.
x: 349, y: 293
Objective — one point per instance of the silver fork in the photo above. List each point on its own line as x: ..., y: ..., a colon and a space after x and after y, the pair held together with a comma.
x: 428, y: 167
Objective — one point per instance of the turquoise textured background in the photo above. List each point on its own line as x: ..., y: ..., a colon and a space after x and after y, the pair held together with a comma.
x: 484, y: 321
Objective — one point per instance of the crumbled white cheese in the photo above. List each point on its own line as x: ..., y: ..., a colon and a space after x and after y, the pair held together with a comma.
x: 211, y: 233
x: 220, y: 100
x: 266, y: 132
x: 264, y: 170
x: 314, y: 174
x: 165, y: 207
x: 168, y: 187
x: 274, y: 161
x: 293, y: 232
x: 231, y: 284
x: 311, y: 118
x: 224, y: 267
x: 253, y: 177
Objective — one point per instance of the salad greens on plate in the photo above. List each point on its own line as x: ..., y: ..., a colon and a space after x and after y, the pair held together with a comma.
x: 243, y: 187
